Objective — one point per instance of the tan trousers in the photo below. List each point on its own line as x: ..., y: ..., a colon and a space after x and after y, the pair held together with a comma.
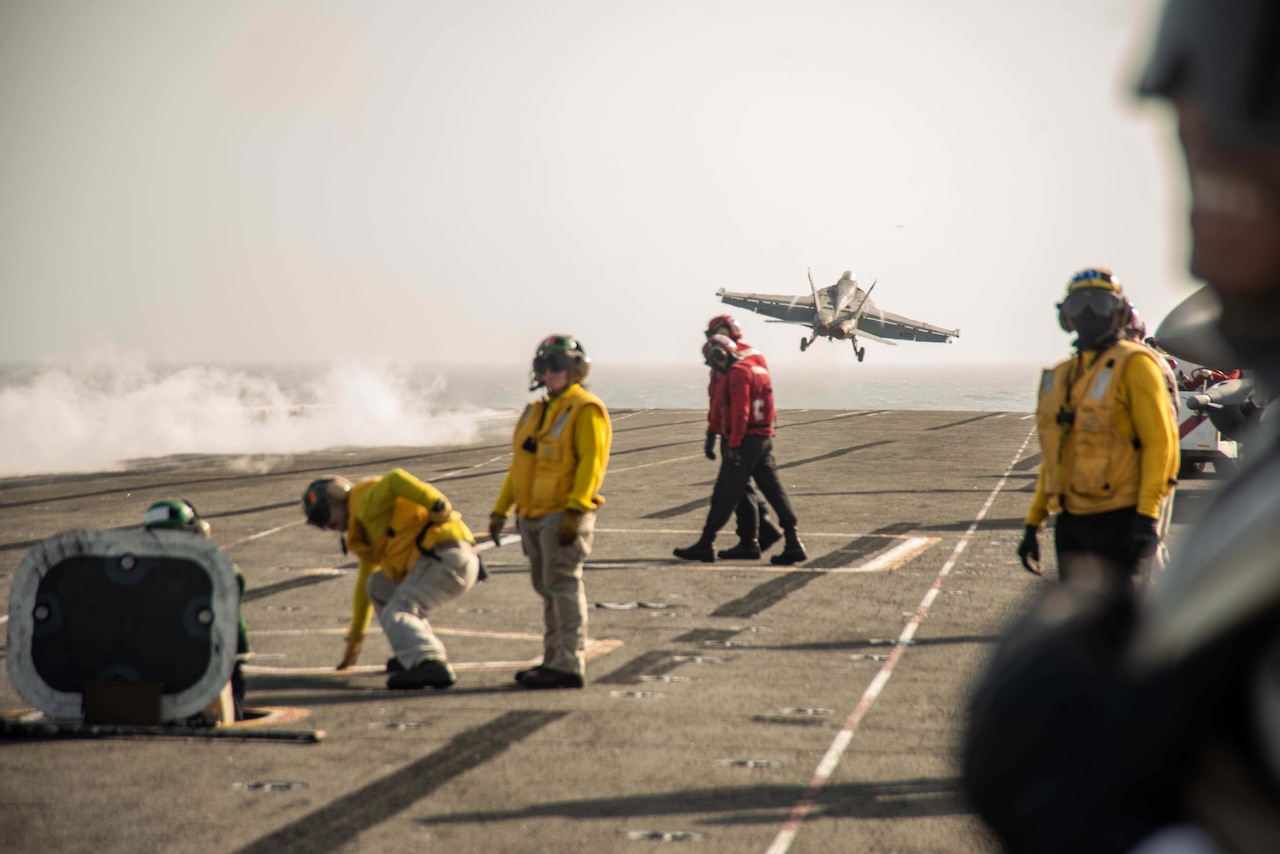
x: 402, y: 607
x: 556, y: 572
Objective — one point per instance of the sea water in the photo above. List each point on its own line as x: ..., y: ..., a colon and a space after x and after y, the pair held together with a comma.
x: 98, y: 416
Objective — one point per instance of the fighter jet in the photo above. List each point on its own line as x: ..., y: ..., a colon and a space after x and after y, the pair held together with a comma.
x: 840, y: 311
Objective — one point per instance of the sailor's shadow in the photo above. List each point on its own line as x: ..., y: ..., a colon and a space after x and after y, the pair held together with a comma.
x: 737, y: 805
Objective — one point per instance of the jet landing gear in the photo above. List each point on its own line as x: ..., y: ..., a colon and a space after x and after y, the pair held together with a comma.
x: 805, y: 342
x: 858, y: 351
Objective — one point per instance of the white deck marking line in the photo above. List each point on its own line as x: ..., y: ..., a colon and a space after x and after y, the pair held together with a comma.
x: 831, y: 758
x: 1025, y: 417
x: 480, y: 545
x: 450, y: 474
x: 893, y: 558
x: 659, y: 463
x: 596, y: 648
x: 886, y: 562
x: 478, y: 633
x: 265, y: 533
x: 852, y: 413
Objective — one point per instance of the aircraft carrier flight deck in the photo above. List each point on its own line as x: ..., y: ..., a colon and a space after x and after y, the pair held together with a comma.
x: 734, y: 706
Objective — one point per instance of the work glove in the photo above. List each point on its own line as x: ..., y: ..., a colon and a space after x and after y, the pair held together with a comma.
x: 352, y: 651
x: 734, y: 456
x: 710, y: 447
x: 1030, y: 548
x: 497, y: 521
x: 1141, y: 541
x: 569, y: 525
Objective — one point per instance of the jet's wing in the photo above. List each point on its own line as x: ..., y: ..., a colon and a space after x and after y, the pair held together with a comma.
x: 788, y: 309
x: 886, y: 325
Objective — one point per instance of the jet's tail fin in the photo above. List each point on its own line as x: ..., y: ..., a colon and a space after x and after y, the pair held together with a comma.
x: 817, y: 303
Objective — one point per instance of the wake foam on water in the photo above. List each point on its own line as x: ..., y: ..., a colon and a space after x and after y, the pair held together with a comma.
x: 96, y: 414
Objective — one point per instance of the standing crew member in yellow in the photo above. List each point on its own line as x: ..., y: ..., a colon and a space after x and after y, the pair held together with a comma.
x: 415, y: 554
x: 1108, y: 440
x: 560, y: 451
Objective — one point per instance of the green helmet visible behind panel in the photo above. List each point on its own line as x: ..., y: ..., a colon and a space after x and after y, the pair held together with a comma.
x: 175, y: 514
x: 560, y: 353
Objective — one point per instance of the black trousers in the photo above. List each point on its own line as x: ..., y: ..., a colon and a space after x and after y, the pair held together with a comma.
x: 751, y: 510
x: 757, y: 463
x: 1100, y: 535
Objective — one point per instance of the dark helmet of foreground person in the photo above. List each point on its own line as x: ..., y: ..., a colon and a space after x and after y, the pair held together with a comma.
x: 319, y: 494
x: 1222, y: 58
x: 560, y: 353
x: 175, y: 514
x: 1227, y: 54
x: 1219, y: 63
x: 1094, y: 307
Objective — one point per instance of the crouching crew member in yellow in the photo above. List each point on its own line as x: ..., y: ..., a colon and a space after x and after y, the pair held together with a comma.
x: 1108, y: 439
x: 560, y: 452
x: 415, y: 554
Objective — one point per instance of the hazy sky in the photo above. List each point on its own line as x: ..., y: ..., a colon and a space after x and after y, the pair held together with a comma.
x: 451, y: 181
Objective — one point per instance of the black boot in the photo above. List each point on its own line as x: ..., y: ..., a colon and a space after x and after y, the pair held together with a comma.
x: 793, y: 552
x: 394, y: 665
x: 768, y: 534
x: 703, y: 550
x: 547, y: 678
x: 744, y: 550
x: 424, y: 674
x: 520, y: 674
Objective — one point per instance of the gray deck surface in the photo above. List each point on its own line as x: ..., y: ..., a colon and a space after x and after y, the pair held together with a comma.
x: 730, y: 707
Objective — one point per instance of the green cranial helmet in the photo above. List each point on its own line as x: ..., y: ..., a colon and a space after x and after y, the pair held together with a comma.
x: 318, y: 496
x: 175, y: 514
x: 560, y: 353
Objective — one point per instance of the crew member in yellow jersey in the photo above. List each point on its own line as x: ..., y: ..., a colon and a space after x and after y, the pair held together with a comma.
x: 415, y: 554
x: 1108, y: 441
x: 560, y: 451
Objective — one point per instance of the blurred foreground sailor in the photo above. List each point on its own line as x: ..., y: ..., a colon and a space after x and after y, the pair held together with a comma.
x: 178, y: 515
x: 748, y: 425
x: 756, y: 534
x: 560, y: 450
x: 416, y: 554
x: 1108, y: 440
x: 1105, y: 724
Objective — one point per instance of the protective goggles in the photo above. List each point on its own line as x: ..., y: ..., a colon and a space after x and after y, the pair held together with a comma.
x: 1225, y: 54
x: 1099, y: 301
x: 553, y: 361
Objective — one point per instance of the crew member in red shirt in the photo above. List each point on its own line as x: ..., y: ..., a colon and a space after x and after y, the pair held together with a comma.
x: 756, y: 534
x: 748, y: 425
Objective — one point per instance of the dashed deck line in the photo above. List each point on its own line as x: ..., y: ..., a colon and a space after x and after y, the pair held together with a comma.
x: 827, y: 766
x: 595, y: 648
